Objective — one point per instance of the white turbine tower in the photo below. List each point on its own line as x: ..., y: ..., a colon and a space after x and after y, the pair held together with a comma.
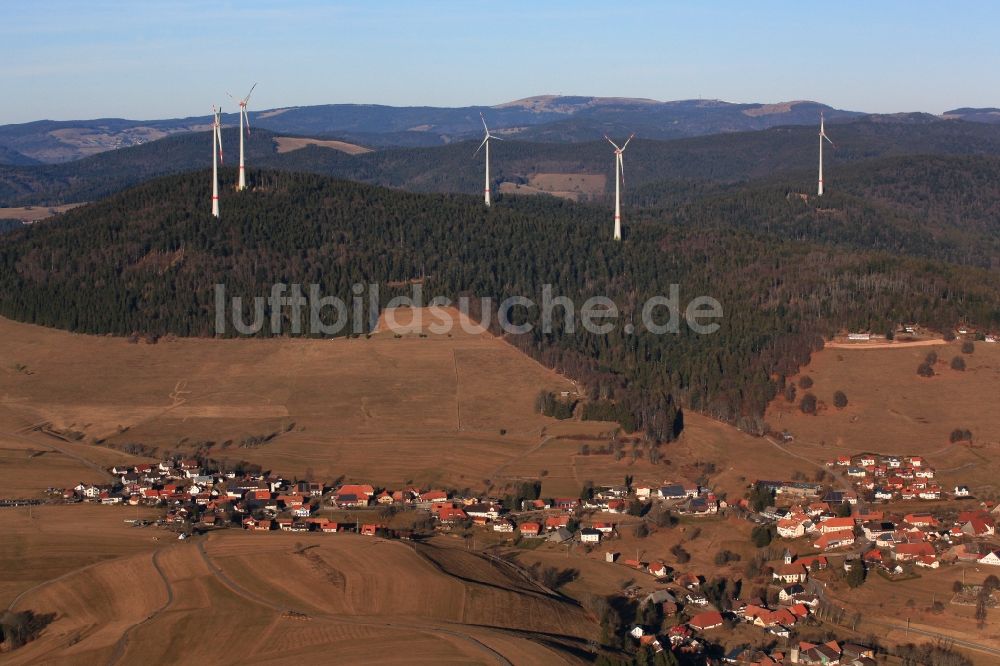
x: 216, y: 157
x: 619, y: 180
x: 243, y: 116
x: 822, y: 135
x: 486, y: 142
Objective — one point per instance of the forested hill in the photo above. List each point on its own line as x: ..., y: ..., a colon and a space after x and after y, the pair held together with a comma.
x: 930, y: 206
x: 718, y: 158
x: 147, y: 260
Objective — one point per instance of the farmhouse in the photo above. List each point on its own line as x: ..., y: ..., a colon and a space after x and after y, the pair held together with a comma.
x: 978, y: 528
x: 673, y: 491
x: 705, y: 621
x: 555, y: 522
x: 794, y: 526
x: 991, y: 558
x: 908, y: 552
x: 530, y: 529
x: 451, y: 514
x: 838, y: 539
x: 659, y: 569
x: 503, y: 525
x: 835, y: 525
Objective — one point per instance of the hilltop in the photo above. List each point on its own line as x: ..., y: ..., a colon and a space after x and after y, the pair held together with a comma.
x: 146, y: 261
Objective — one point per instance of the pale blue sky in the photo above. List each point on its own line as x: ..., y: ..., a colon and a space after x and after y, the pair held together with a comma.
x: 96, y: 58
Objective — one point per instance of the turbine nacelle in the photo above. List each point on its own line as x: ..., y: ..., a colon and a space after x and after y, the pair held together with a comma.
x: 487, y: 136
x: 620, y: 150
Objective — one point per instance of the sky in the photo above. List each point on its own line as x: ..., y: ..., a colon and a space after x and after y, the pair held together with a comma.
x: 143, y: 60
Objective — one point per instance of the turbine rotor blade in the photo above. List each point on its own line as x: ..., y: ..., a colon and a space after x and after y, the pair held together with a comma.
x: 627, y: 140
x: 483, y: 118
x: 247, y: 98
x: 481, y: 146
x: 246, y: 117
x: 612, y: 142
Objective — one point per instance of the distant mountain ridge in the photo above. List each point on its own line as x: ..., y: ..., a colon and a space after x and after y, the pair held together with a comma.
x: 719, y: 158
x: 984, y: 115
x: 541, y: 118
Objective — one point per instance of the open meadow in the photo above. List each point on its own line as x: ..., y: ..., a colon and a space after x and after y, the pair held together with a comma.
x: 892, y: 410
x: 286, y: 144
x: 302, y: 596
x: 414, y: 407
x: 410, y: 406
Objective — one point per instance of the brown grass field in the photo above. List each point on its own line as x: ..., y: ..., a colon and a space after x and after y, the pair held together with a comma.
x: 572, y: 186
x: 387, y: 410
x: 34, y: 213
x: 337, y: 599
x: 420, y: 408
x: 47, y: 542
x: 893, y: 410
x: 287, y: 144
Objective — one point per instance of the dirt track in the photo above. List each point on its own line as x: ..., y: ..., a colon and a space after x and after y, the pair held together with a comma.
x: 884, y: 345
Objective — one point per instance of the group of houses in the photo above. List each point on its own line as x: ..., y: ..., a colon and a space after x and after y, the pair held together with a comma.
x: 889, y: 477
x: 831, y: 653
x: 192, y: 492
x: 894, y: 541
x: 793, y: 607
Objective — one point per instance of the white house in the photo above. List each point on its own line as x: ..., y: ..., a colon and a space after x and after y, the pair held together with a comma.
x: 991, y: 558
x: 794, y: 527
x: 503, y: 526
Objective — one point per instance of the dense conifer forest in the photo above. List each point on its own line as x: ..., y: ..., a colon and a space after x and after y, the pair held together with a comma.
x: 146, y: 261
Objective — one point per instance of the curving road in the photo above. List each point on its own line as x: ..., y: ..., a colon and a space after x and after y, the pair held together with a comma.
x: 122, y: 643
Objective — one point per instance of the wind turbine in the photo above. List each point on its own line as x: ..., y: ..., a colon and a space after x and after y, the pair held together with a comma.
x: 619, y: 180
x: 243, y: 116
x: 216, y: 157
x: 822, y: 135
x: 486, y: 142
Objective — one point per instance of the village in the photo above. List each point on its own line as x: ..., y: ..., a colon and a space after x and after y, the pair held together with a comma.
x: 892, y: 541
x: 685, y: 612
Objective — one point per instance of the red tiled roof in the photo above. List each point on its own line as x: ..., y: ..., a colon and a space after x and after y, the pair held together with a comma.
x: 706, y: 620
